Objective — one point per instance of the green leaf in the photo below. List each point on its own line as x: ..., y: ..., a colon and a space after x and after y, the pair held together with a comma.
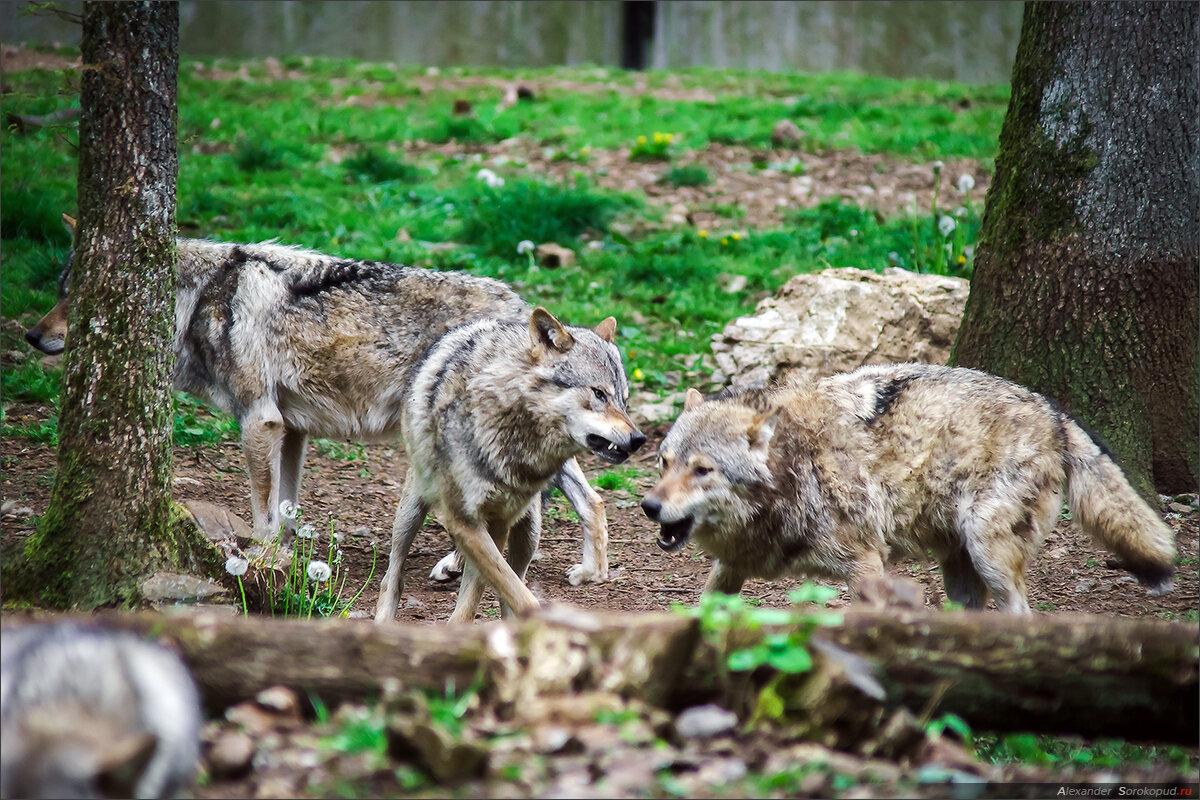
x: 793, y: 660
x: 741, y: 660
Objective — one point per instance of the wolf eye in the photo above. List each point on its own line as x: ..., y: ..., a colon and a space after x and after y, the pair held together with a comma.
x: 700, y: 472
x: 599, y: 394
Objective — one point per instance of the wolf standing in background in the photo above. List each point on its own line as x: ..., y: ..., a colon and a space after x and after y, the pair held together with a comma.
x: 826, y: 478
x: 493, y: 411
x: 295, y: 344
x: 86, y: 712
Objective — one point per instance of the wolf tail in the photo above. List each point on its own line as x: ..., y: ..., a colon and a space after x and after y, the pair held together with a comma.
x: 1111, y: 512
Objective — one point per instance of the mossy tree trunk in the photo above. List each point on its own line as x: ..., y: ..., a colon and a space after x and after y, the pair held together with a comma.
x: 110, y: 521
x: 1085, y: 285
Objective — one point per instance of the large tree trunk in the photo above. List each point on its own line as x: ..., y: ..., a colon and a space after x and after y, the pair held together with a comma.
x: 1085, y: 284
x: 1081, y: 674
x: 110, y: 520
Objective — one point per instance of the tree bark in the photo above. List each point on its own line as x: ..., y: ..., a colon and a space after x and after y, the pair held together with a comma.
x: 111, y: 521
x: 1080, y: 674
x: 1086, y: 286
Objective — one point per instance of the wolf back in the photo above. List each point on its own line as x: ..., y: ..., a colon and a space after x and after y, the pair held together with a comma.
x: 86, y: 710
x: 829, y: 478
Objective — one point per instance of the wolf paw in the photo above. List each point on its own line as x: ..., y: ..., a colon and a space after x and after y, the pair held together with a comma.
x: 447, y: 569
x: 580, y: 574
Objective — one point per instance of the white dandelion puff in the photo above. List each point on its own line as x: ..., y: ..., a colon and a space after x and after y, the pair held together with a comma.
x: 319, y: 571
x: 966, y: 182
x: 490, y: 178
x: 938, y: 166
x: 947, y: 225
x: 236, y: 566
x: 525, y: 246
x: 306, y: 531
x: 288, y: 509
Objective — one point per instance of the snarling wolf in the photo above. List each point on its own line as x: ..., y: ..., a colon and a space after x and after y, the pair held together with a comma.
x: 87, y: 712
x: 493, y: 411
x: 827, y: 478
x: 296, y: 343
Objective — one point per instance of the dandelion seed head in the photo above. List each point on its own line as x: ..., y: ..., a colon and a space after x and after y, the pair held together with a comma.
x: 946, y: 225
x: 288, y: 509
x: 966, y: 182
x: 524, y: 246
x: 236, y: 566
x: 306, y: 531
x: 319, y: 571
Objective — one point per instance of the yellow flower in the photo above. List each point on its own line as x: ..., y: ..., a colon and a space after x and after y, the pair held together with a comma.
x: 637, y: 374
x: 583, y: 151
x: 658, y: 138
x: 724, y: 240
x: 737, y: 237
x: 962, y: 259
x: 668, y: 137
x: 641, y: 140
x: 702, y: 233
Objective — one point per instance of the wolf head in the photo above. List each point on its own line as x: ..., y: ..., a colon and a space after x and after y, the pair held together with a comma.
x: 713, y: 462
x: 50, y: 333
x: 590, y: 387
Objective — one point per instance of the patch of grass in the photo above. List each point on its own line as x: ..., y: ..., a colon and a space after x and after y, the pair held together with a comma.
x: 1028, y: 748
x: 495, y: 219
x: 690, y: 175
x: 620, y: 478
x: 375, y: 165
x: 196, y: 423
x: 31, y: 383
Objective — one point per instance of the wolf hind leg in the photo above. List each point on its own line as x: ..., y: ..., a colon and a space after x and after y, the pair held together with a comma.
x: 410, y: 513
x: 962, y: 582
x: 724, y: 579
x: 571, y: 481
x: 262, y: 444
x: 1000, y: 545
x: 865, y: 566
x: 449, y: 568
x: 522, y: 543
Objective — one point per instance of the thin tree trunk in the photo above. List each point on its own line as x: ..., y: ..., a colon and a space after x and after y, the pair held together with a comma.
x: 1086, y: 286
x: 1066, y: 673
x: 110, y: 518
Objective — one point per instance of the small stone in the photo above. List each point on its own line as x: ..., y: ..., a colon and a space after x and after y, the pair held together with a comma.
x: 280, y: 699
x: 231, y: 756
x: 703, y: 722
x: 1085, y: 585
x: 414, y: 602
x: 173, y: 587
x: 674, y: 219
x: 11, y: 509
x: 553, y: 256
x: 1179, y: 508
x: 786, y: 134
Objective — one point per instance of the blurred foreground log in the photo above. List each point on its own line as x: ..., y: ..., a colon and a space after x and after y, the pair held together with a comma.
x: 1070, y: 674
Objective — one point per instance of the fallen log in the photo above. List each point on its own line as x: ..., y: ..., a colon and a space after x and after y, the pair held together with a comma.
x: 1068, y: 674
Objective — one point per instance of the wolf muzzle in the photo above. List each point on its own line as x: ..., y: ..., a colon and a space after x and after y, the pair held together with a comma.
x: 672, y: 535
x: 615, y: 452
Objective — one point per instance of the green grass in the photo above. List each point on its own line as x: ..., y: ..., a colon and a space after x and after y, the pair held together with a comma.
x: 1028, y: 748
x: 290, y: 159
x: 618, y: 478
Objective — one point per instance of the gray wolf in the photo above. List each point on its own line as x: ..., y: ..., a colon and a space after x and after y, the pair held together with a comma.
x: 87, y: 712
x: 296, y: 343
x: 493, y: 410
x: 829, y: 477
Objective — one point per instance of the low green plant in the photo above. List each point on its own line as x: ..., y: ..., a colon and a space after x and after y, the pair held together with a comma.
x: 1047, y: 750
x: 657, y: 147
x: 619, y: 479
x: 311, y: 585
x: 375, y: 165
x: 689, y: 175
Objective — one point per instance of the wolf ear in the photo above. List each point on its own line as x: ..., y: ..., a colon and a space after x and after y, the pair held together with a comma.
x: 762, y: 428
x: 692, y: 399
x: 607, y: 330
x: 70, y: 223
x: 548, y: 334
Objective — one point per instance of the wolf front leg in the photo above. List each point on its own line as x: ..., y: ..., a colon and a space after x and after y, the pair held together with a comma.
x: 484, y: 563
x: 571, y: 481
x: 724, y: 579
x: 262, y: 443
x: 410, y: 513
x: 522, y: 543
x: 291, y: 465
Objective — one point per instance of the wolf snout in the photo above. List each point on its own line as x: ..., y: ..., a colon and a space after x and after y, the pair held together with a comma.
x: 652, y: 508
x: 636, y: 440
x: 617, y: 451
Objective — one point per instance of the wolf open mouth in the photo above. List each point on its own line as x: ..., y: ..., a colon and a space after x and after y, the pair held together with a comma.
x: 611, y: 452
x: 674, y: 535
